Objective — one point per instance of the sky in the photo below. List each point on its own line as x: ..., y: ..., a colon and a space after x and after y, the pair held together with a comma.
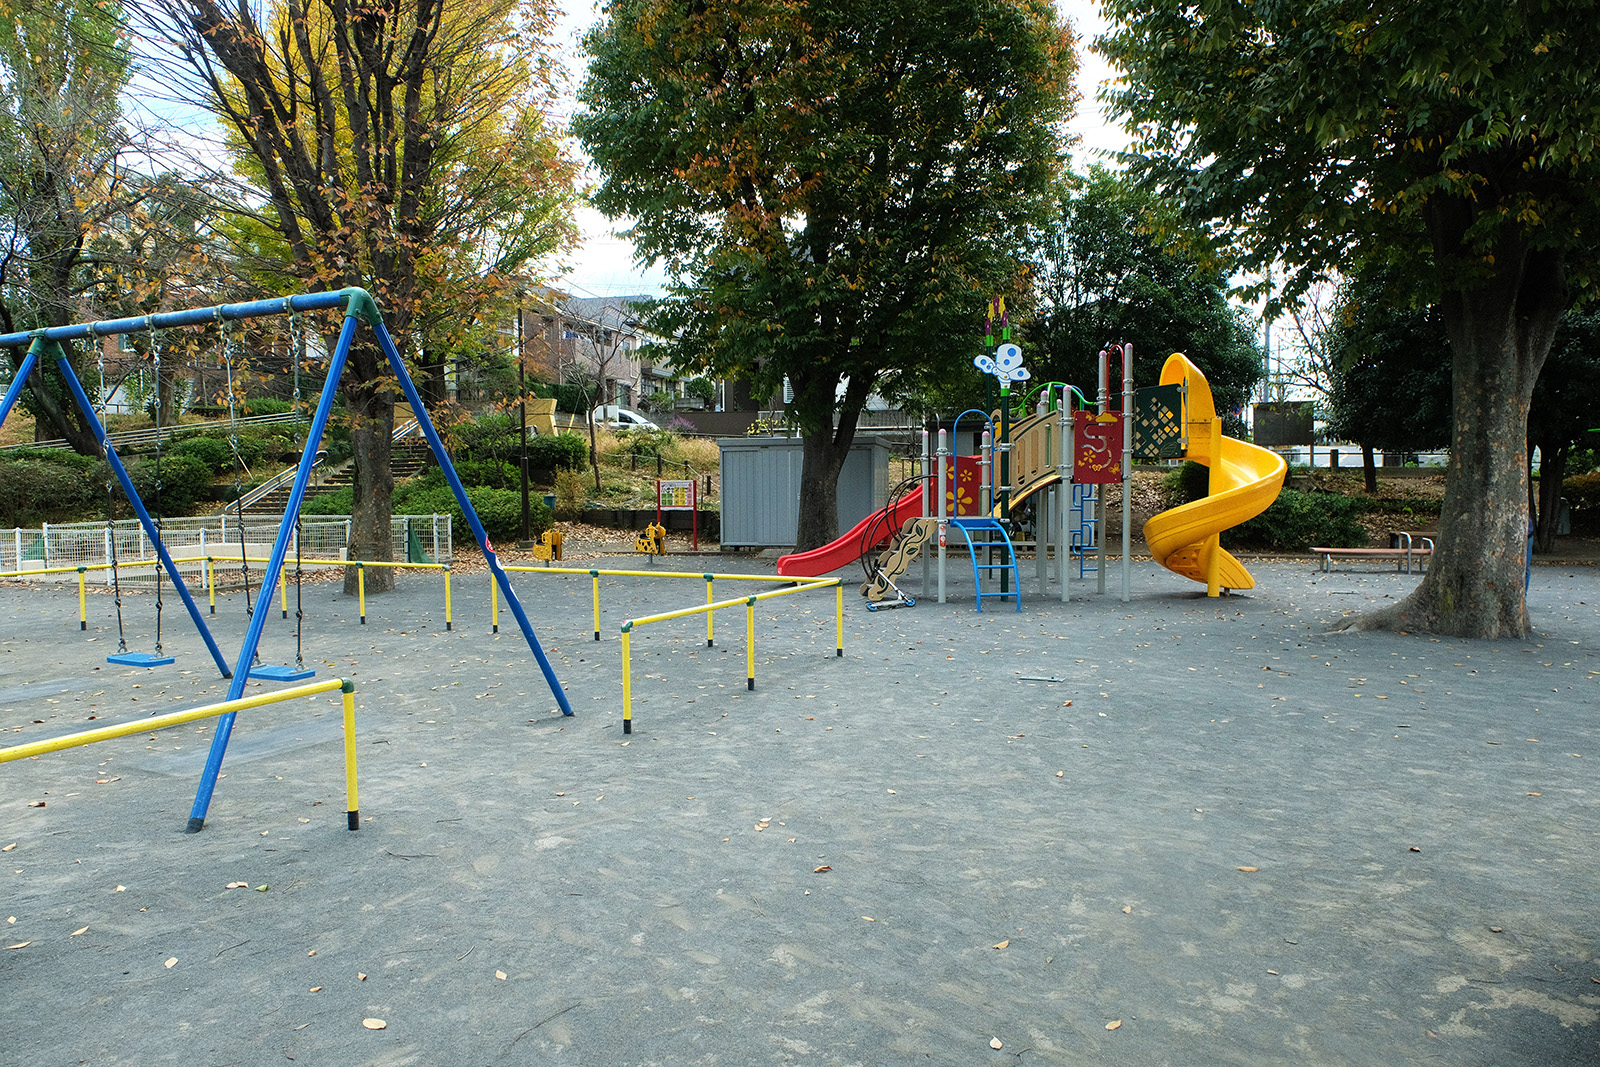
x: 604, y: 265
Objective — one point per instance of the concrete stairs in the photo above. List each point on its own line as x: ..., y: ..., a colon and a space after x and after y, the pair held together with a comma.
x: 407, y: 457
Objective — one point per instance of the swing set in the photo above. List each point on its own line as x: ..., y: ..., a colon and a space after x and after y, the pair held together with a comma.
x: 358, y: 307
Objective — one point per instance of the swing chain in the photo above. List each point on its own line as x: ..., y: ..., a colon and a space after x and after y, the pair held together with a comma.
x: 228, y: 347
x: 155, y: 357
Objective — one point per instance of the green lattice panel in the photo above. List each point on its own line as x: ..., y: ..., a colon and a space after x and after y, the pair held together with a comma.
x: 1158, y: 422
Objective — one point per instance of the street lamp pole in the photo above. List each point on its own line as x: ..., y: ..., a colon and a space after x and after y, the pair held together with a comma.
x: 522, y: 403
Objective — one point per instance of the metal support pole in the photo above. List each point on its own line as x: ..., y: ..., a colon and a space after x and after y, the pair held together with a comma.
x: 1127, y: 466
x: 940, y: 492
x: 352, y: 800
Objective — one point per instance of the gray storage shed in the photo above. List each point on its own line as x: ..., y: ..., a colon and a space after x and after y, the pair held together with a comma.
x: 761, y: 488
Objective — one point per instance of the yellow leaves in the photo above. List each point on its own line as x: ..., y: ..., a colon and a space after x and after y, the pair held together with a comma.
x: 1114, y: 1024
x: 1004, y: 944
x: 1249, y: 870
x: 374, y: 1024
x: 171, y: 963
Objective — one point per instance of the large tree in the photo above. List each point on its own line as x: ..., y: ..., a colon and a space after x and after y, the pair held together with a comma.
x: 1461, y: 145
x: 838, y: 188
x: 384, y: 142
x: 64, y: 181
x: 1104, y: 275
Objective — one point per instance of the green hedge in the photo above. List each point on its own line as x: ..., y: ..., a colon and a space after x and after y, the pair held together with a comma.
x: 1296, y: 521
x: 1582, y: 493
x: 562, y: 451
x: 500, y: 510
x: 185, y: 480
x: 36, y: 491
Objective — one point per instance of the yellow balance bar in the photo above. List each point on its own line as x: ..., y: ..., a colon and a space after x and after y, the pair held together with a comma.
x: 209, y: 711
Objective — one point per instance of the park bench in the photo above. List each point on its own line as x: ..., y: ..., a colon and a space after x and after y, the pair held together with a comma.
x: 1403, y: 549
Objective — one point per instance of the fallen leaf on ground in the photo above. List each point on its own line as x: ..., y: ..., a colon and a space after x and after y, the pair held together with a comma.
x: 79, y: 930
x: 1114, y: 1024
x: 238, y: 885
x: 171, y: 963
x: 9, y: 847
x: 1127, y: 909
x: 120, y: 889
x: 819, y: 870
x: 20, y: 944
x: 500, y: 975
x: 1249, y: 868
x: 1004, y: 944
x: 360, y: 976
x: 374, y: 1024
x: 869, y: 918
x: 995, y: 1042
x: 35, y: 803
x: 316, y: 989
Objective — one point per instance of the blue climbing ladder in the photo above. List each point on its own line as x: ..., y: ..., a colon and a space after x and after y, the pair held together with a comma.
x: 989, y: 527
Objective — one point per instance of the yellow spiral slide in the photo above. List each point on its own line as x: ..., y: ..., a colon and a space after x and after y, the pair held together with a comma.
x: 1245, y: 480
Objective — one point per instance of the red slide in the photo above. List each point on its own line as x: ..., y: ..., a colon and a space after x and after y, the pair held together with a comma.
x: 847, y: 549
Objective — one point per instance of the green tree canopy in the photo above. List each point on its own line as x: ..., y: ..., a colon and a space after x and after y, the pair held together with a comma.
x: 63, y: 180
x: 837, y: 188
x: 1461, y: 146
x: 1103, y: 275
x: 1390, y: 369
x: 397, y: 145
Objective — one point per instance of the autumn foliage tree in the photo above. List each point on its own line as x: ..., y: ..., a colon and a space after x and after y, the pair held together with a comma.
x: 837, y: 189
x: 1461, y: 146
x: 65, y: 181
x: 396, y: 145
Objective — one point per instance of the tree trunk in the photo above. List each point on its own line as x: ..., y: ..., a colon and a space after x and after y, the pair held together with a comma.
x: 1552, y: 472
x: 52, y: 418
x: 1500, y: 334
x: 822, y: 455
x: 372, y: 408
x: 1369, y: 469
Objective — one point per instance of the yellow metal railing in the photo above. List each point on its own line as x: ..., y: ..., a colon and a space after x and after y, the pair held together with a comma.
x: 749, y: 602
x: 178, y: 718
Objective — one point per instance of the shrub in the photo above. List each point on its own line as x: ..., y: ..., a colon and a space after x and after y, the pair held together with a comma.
x: 645, y: 444
x: 571, y: 492
x: 59, y: 457
x: 1296, y: 521
x: 266, y: 405
x: 1186, y: 484
x: 562, y: 451
x: 491, y: 472
x: 185, y: 480
x: 493, y: 436
x: 1582, y: 493
x: 340, y: 501
x: 500, y: 510
x: 34, y: 491
x: 213, y: 452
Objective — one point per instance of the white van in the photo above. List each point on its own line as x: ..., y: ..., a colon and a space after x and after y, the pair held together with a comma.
x: 619, y: 418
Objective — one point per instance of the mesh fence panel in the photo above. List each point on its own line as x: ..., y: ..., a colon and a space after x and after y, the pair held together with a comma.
x: 418, y: 538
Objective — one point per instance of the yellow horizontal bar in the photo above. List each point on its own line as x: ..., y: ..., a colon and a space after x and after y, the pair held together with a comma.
x: 698, y: 609
x: 674, y: 574
x: 161, y: 722
x: 821, y: 583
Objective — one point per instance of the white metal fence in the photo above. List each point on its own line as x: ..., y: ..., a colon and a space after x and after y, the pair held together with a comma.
x: 191, y: 540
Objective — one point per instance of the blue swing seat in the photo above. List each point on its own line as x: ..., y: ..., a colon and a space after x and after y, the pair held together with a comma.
x: 139, y: 659
x: 274, y: 672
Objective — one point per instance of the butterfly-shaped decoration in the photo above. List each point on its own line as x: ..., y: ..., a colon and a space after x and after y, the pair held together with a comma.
x: 1005, y: 364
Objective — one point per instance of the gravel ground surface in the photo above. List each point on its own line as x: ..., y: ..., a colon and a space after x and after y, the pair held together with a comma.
x: 1167, y: 831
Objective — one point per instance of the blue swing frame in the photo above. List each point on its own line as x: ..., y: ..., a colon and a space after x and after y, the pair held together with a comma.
x: 359, y: 307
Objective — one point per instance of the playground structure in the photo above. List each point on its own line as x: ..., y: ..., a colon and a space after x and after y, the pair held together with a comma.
x: 1058, y: 458
x: 358, y: 307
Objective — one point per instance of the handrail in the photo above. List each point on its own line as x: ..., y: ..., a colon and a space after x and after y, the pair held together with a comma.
x: 144, y: 437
